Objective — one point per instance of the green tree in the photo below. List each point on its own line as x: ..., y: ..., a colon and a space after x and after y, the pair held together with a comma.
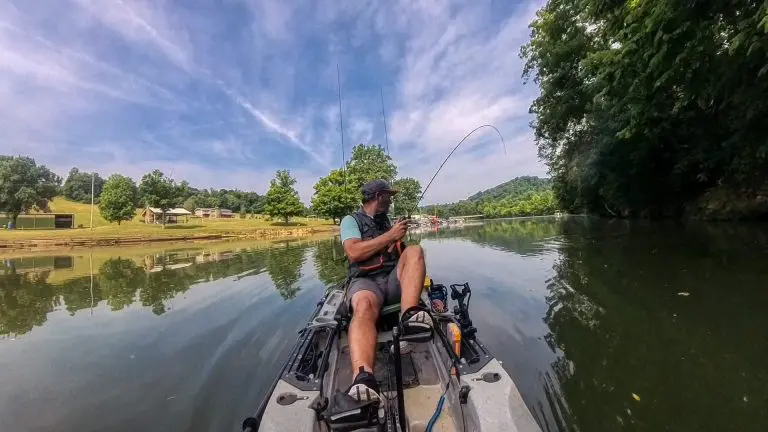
x: 644, y: 107
x: 334, y: 197
x: 407, y: 197
x: 77, y: 186
x: 118, y: 199
x: 369, y: 162
x: 24, y: 185
x: 158, y: 191
x: 183, y: 192
x: 282, y: 200
x: 190, y: 204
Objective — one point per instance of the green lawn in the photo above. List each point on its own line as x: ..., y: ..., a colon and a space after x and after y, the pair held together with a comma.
x: 136, y: 228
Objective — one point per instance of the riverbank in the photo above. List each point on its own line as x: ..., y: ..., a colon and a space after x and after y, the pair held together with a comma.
x: 12, y: 241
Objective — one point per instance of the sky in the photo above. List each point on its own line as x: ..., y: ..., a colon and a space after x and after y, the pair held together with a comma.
x: 222, y: 93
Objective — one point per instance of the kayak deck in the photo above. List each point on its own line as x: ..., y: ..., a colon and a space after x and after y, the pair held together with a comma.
x: 421, y: 381
x: 479, y: 396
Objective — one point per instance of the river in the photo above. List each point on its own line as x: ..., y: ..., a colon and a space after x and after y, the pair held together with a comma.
x: 604, y: 325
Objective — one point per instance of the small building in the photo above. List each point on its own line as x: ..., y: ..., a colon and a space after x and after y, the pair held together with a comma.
x: 172, y: 216
x: 40, y: 221
x: 214, y: 213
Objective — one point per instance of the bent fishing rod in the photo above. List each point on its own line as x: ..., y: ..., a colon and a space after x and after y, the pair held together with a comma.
x: 504, y: 145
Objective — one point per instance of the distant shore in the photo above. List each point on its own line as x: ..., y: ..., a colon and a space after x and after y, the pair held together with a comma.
x: 84, y: 238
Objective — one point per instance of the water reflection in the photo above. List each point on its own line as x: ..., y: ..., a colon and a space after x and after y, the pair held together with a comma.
x: 661, y: 327
x: 603, y: 325
x: 151, y: 280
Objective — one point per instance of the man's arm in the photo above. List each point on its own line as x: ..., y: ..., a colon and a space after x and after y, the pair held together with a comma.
x: 358, y: 250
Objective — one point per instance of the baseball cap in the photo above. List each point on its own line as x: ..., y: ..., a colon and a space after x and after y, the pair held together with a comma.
x: 375, y: 186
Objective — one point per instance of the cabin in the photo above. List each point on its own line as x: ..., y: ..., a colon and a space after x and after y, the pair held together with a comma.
x: 154, y: 215
x: 214, y: 213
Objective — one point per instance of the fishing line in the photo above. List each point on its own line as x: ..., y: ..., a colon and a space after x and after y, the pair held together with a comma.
x: 504, y: 145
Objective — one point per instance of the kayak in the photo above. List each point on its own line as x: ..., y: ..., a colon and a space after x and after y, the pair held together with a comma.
x: 447, y: 381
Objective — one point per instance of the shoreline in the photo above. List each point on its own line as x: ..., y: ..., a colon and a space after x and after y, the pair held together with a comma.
x: 97, y: 241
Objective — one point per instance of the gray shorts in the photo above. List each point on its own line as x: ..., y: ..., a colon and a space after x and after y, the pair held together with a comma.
x: 385, y: 286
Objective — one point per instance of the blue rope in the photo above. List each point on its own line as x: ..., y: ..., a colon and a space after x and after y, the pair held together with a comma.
x: 436, y: 415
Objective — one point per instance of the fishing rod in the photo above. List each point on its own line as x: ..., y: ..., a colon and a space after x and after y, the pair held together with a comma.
x: 504, y: 145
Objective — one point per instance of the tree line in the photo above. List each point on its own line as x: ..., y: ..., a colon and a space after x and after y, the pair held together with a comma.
x: 653, y: 108
x: 521, y: 196
x: 26, y: 186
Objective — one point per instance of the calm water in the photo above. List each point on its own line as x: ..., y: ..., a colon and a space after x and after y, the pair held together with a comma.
x: 605, y: 326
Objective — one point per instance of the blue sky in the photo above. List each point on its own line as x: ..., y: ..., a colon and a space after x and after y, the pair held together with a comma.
x: 224, y: 92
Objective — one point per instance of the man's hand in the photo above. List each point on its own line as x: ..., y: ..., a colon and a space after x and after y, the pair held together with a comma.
x: 398, y: 230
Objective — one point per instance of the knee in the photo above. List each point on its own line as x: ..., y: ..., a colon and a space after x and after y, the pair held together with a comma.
x: 414, y: 253
x: 365, y: 307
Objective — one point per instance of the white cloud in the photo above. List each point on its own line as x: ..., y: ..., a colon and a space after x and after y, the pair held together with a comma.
x: 142, y: 22
x: 131, y: 84
x: 360, y: 130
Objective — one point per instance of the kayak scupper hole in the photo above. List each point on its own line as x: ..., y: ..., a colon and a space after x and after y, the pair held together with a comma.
x: 489, y: 377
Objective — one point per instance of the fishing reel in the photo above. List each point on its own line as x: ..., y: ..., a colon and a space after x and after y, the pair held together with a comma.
x: 460, y: 293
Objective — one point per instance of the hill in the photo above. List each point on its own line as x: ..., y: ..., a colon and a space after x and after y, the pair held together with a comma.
x: 513, y: 189
x: 521, y: 196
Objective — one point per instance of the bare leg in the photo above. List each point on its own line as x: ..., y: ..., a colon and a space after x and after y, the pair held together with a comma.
x: 362, y: 331
x: 410, y: 272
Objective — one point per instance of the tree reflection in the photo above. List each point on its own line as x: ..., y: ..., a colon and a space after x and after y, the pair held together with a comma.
x: 615, y: 315
x: 152, y: 280
x: 119, y: 279
x: 521, y: 236
x: 330, y: 262
x: 25, y: 300
x: 284, y: 267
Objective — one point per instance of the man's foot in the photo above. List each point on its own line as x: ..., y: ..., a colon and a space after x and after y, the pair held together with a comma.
x: 419, y: 321
x: 364, y: 388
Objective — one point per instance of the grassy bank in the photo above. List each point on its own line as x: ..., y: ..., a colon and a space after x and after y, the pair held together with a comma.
x: 135, y: 231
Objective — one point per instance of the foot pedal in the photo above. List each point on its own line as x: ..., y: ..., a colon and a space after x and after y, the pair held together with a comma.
x: 345, y: 413
x: 417, y: 325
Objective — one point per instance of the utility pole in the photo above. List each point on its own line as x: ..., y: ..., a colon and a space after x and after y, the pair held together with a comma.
x: 93, y: 180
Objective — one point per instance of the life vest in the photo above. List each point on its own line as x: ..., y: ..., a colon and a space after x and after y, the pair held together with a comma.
x: 379, y: 263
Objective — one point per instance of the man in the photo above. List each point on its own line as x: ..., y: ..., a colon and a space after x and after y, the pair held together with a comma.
x: 382, y: 271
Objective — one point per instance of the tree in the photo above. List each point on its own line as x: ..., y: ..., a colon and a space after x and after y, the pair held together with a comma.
x: 369, y: 162
x: 25, y: 186
x: 118, y: 199
x: 77, y: 186
x: 190, y: 204
x: 282, y: 200
x: 158, y: 191
x: 183, y: 192
x: 407, y: 197
x: 644, y: 108
x: 333, y: 197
